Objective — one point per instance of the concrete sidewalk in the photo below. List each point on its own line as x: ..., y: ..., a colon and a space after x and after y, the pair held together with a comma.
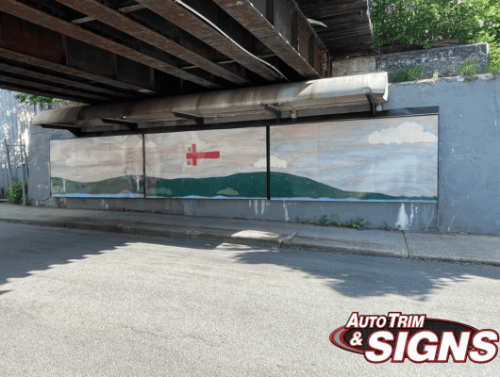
x: 433, y: 246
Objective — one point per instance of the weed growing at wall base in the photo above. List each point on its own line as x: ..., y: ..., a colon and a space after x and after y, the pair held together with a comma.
x: 15, y: 193
x: 359, y: 224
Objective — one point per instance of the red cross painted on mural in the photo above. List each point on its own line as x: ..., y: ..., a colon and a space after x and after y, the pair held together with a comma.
x: 194, y: 156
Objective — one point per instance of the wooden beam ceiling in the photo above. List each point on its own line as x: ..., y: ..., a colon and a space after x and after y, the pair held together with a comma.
x: 348, y: 28
x: 60, y: 81
x: 120, y: 22
x: 57, y: 25
x: 106, y: 85
x: 111, y: 50
x: 193, y: 24
x: 281, y: 26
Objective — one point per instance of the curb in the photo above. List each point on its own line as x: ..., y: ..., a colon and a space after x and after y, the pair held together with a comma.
x: 341, y: 250
x: 200, y: 234
x: 224, y: 235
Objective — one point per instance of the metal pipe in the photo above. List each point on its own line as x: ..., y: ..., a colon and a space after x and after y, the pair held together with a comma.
x: 316, y: 94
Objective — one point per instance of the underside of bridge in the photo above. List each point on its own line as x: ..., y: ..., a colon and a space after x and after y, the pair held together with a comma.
x: 108, y: 51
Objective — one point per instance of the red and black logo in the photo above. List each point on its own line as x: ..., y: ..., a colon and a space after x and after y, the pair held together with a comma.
x: 415, y: 337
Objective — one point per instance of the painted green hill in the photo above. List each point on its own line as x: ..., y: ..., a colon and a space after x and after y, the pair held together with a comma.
x: 253, y: 185
x: 248, y: 185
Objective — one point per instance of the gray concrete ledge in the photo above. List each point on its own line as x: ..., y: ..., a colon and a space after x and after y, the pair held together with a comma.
x: 413, y: 216
x: 432, y: 246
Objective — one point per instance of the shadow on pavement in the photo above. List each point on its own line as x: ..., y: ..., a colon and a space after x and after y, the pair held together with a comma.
x: 365, y: 276
x: 28, y: 248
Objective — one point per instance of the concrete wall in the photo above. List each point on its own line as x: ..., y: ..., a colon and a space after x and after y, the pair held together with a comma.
x: 444, y: 60
x: 469, y: 148
x: 469, y: 170
x: 38, y: 162
x: 411, y: 216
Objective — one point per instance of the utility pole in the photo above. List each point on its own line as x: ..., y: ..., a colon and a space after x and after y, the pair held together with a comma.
x: 8, y: 162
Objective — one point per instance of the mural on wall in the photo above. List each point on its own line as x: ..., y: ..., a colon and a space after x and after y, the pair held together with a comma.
x: 97, y: 167
x: 379, y: 159
x: 212, y: 164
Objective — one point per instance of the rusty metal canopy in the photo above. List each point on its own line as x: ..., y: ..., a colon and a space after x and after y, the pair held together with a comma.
x: 295, y: 100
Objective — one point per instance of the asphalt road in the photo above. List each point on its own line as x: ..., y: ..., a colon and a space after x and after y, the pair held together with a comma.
x: 81, y: 303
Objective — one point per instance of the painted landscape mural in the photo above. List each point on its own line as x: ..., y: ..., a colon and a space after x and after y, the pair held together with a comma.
x: 380, y: 159
x: 97, y: 167
x: 212, y: 164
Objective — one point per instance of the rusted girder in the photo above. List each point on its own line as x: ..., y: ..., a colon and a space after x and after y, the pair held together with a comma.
x: 124, y: 10
x: 120, y: 22
x: 47, y: 21
x: 64, y: 69
x: 283, y: 37
x: 7, y: 68
x: 48, y: 87
x: 186, y: 20
x: 333, y: 8
x: 30, y: 90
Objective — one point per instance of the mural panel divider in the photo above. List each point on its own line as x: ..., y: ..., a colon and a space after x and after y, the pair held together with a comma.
x: 268, y: 162
x: 144, y: 165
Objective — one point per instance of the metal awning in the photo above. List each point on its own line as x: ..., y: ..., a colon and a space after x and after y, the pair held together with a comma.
x: 224, y: 108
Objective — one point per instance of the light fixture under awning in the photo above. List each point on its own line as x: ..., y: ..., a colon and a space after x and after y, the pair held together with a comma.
x: 304, y: 99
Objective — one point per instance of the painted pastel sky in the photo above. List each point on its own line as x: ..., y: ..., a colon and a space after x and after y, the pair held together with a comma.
x: 396, y: 156
x: 96, y: 159
x: 241, y: 151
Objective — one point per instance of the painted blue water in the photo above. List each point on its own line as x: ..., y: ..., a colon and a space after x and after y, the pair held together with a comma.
x: 98, y: 195
x: 139, y: 196
x: 299, y: 199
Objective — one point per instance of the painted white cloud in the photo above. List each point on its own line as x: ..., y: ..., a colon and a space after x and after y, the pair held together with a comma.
x: 408, y: 132
x: 275, y: 163
x: 81, y: 158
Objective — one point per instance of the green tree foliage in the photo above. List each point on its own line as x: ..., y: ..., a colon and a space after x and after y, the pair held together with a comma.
x: 32, y: 99
x: 15, y: 192
x: 422, y: 22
